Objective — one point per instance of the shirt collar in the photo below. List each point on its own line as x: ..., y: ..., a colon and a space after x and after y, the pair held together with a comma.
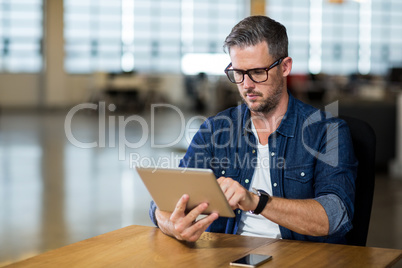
x: 287, y: 126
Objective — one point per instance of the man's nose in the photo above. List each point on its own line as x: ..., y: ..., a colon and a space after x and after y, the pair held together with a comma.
x: 248, y: 83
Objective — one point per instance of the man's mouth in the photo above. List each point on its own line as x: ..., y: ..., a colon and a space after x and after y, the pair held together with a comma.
x: 252, y: 96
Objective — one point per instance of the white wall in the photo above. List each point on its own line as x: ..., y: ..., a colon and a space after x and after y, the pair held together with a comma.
x: 19, y: 90
x: 25, y: 91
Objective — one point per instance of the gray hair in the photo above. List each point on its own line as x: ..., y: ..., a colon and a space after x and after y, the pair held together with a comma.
x: 256, y: 29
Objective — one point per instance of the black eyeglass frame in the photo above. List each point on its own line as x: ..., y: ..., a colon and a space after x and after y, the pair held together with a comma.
x: 276, y: 63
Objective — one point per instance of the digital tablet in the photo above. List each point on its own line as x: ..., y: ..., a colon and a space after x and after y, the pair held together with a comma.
x: 167, y: 186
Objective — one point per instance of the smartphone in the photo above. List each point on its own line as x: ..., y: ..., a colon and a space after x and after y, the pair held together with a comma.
x: 251, y: 260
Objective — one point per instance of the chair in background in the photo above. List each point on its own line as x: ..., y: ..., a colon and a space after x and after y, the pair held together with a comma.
x: 364, y: 144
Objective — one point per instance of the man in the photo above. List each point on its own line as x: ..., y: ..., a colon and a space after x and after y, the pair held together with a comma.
x: 299, y: 160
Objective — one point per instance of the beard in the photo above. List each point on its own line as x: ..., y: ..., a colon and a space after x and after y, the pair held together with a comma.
x: 267, y: 104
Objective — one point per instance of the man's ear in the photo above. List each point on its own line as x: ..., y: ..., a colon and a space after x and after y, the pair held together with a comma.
x: 286, y: 66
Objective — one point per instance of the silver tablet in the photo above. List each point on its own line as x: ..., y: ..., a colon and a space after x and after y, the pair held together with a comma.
x: 167, y: 186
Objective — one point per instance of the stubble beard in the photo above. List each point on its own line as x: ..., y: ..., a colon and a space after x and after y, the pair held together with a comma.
x: 268, y: 104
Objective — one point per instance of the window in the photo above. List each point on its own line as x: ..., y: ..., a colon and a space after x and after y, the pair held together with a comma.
x: 352, y: 37
x: 21, y: 36
x: 205, y: 26
x: 92, y: 31
x: 143, y: 35
x: 156, y: 44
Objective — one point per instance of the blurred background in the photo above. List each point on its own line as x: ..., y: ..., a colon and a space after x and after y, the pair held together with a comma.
x: 78, y: 80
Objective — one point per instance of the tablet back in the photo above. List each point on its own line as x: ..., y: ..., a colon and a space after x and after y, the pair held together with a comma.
x: 167, y: 186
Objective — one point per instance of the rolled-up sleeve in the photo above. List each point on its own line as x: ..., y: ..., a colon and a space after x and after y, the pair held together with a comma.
x: 339, y: 222
x: 335, y: 176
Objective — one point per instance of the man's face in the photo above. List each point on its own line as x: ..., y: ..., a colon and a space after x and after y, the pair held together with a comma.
x: 259, y: 97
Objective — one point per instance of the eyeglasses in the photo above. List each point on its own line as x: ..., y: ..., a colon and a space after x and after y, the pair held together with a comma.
x: 257, y: 75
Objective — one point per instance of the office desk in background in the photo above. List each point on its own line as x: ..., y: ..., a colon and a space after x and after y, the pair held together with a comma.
x: 140, y: 246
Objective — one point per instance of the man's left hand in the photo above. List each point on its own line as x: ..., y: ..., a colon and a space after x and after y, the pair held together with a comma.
x: 237, y: 195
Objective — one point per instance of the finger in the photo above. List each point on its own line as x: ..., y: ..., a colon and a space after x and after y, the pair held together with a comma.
x: 182, y: 224
x: 224, y: 180
x: 229, y: 187
x: 193, y: 233
x: 220, y: 179
x: 197, y: 211
x: 180, y: 208
x: 235, y: 195
x: 233, y: 201
x: 209, y: 219
x: 224, y: 183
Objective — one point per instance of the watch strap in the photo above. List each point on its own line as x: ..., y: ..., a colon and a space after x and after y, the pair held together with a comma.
x: 264, y: 197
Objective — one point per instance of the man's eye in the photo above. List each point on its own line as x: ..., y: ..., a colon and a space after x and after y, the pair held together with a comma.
x: 258, y: 72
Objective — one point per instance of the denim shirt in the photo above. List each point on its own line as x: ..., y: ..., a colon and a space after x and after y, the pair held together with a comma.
x: 311, y: 157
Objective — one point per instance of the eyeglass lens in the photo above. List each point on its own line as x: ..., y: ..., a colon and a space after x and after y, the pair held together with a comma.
x: 257, y: 75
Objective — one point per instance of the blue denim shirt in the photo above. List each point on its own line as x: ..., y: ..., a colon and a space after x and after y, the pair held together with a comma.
x: 311, y: 157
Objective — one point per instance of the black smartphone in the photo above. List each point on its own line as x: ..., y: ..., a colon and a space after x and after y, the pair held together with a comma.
x: 251, y: 260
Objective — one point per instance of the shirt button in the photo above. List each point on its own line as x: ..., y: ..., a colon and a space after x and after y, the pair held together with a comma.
x: 302, y: 174
x: 253, y: 151
x: 247, y: 181
x: 223, y: 172
x: 273, y: 154
x: 275, y: 184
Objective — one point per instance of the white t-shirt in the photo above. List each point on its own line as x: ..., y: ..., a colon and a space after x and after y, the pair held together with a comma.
x: 257, y: 225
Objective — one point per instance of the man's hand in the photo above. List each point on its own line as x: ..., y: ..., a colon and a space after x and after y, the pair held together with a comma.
x: 181, y: 226
x: 237, y: 195
x: 302, y: 216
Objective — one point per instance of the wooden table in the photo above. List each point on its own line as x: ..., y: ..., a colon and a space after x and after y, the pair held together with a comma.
x: 141, y: 246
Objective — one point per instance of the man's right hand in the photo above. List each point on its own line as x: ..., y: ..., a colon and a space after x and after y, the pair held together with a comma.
x: 184, y: 226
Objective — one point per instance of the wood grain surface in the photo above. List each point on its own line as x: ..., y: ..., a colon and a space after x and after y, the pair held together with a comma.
x: 141, y: 246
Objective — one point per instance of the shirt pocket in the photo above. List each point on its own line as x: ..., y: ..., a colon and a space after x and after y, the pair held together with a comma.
x: 302, y: 174
x: 299, y: 182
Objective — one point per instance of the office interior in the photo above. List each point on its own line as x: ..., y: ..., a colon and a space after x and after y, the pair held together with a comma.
x: 90, y: 89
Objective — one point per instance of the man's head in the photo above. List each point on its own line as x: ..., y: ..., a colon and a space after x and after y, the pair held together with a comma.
x: 258, y: 48
x: 256, y: 29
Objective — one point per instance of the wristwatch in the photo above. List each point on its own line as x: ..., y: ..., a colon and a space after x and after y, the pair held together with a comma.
x: 264, y: 198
